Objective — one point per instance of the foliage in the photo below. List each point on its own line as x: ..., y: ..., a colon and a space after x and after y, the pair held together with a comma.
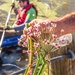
x: 58, y: 6
x: 40, y: 39
x: 42, y: 34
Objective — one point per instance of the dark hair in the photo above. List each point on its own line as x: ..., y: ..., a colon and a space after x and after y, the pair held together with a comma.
x: 35, y: 9
x: 24, y: 1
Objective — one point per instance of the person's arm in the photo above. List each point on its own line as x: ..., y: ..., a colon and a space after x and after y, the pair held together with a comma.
x: 22, y: 26
x: 16, y: 11
x: 19, y: 27
x: 14, y: 8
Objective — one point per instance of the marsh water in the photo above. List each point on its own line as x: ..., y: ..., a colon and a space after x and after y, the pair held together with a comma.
x: 12, y: 60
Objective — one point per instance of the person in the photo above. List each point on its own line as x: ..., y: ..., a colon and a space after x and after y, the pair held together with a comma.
x: 25, y: 11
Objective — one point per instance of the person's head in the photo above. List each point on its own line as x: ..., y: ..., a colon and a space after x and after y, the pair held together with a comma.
x: 23, y: 3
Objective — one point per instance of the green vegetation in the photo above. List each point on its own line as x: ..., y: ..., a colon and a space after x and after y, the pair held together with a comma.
x: 5, y: 6
x: 46, y: 9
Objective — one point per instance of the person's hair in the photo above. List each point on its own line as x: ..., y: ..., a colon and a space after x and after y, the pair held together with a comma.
x: 25, y: 0
x: 35, y: 9
x: 28, y: 2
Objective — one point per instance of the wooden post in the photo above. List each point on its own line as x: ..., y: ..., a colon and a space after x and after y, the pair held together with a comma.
x: 63, y: 66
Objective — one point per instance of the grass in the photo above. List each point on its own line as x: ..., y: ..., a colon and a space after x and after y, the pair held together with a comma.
x: 4, y: 9
x: 44, y: 11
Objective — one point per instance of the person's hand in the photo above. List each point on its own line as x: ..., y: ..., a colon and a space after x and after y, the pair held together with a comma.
x: 7, y: 27
x: 14, y: 25
x: 13, y: 5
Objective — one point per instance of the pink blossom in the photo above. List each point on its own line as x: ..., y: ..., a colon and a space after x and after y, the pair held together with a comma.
x: 36, y: 45
x: 29, y: 51
x: 29, y: 36
x: 30, y: 72
x: 54, y: 36
x: 25, y: 43
x: 48, y: 27
x: 47, y: 42
x: 36, y: 53
x: 53, y: 25
x: 62, y: 30
x: 35, y: 33
x: 63, y: 41
x: 56, y: 45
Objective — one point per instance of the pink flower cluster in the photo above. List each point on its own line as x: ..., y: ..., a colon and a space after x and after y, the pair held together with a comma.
x: 42, y: 33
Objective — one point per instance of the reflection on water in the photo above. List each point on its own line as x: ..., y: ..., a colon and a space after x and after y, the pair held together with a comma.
x: 11, y: 61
